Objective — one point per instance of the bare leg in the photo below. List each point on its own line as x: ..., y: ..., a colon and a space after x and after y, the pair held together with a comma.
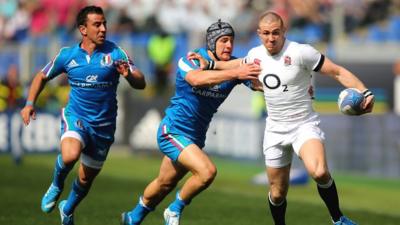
x: 279, y: 184
x: 202, y: 169
x: 70, y: 152
x: 313, y: 154
x: 169, y: 176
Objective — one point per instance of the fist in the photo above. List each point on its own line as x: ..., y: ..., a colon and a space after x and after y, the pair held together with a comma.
x: 122, y: 67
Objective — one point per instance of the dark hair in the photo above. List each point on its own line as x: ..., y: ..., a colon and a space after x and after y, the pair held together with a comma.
x: 82, y: 14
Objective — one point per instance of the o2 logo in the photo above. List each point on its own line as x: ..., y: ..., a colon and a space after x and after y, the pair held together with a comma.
x: 272, y: 82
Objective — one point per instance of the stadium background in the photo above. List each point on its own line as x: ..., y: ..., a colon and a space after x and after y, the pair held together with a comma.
x: 362, y: 35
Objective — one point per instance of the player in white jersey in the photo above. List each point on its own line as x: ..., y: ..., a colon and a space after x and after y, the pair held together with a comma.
x: 292, y: 125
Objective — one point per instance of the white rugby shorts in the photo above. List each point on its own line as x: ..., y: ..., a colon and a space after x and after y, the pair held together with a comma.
x: 281, y: 139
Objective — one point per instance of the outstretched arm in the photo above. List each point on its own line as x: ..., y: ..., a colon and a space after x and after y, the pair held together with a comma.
x: 200, y: 78
x: 223, y: 65
x: 215, y: 65
x: 36, y: 87
x: 348, y: 80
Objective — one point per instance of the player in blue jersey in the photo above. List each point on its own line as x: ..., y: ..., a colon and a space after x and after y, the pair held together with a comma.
x: 182, y: 132
x: 88, y: 121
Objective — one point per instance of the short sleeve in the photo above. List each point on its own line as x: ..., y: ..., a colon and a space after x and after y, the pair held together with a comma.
x: 123, y: 55
x: 312, y: 59
x: 185, y: 65
x: 56, y: 66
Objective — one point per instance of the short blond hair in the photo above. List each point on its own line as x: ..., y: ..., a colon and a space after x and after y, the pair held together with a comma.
x: 270, y: 16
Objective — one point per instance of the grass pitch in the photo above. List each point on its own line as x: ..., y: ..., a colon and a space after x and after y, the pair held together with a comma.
x: 231, y: 200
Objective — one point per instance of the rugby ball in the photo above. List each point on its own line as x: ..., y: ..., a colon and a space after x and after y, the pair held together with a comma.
x: 350, y: 100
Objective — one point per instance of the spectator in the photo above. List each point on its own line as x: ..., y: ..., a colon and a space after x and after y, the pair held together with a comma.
x: 11, y: 90
x: 16, y: 28
x: 161, y: 48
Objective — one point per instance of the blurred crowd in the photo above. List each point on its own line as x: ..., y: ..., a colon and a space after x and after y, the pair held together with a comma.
x: 13, y: 92
x: 308, y: 21
x: 21, y: 19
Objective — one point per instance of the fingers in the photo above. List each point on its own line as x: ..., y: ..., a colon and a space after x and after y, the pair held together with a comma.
x: 193, y: 55
x: 253, y: 67
x: 249, y: 72
x: 368, y: 104
x: 250, y: 78
x: 33, y: 115
x: 26, y: 121
x: 121, y: 64
x: 25, y: 117
x: 27, y: 113
x: 122, y: 67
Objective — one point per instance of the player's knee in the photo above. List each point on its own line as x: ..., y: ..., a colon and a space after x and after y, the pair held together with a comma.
x: 87, y: 174
x: 86, y: 181
x: 278, y: 192
x: 320, y: 174
x: 208, y: 175
x: 71, y: 156
x: 277, y: 196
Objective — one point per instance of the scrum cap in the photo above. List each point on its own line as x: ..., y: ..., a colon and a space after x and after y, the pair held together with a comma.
x: 215, y: 31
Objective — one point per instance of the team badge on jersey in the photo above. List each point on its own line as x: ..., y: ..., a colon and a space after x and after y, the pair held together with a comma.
x: 106, y: 60
x: 288, y: 61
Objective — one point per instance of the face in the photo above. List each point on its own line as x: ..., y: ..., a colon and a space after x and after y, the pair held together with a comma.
x: 95, y: 28
x: 224, y: 48
x: 272, y: 35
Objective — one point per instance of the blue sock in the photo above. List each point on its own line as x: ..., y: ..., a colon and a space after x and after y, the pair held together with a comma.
x: 60, y: 172
x: 139, y: 212
x: 76, y: 195
x: 178, y: 205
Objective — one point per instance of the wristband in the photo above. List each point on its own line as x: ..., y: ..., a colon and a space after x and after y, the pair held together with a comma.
x: 211, y: 65
x: 29, y: 103
x: 367, y: 93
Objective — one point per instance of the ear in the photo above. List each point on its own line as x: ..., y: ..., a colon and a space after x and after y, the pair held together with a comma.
x: 83, y: 30
x: 258, y: 31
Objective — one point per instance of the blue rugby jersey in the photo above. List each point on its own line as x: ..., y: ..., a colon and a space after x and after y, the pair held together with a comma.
x: 93, y: 80
x: 191, y: 109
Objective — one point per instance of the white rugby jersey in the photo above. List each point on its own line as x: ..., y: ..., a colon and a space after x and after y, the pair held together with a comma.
x: 286, y: 79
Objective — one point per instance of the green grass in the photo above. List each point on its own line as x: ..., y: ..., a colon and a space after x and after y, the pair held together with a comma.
x: 232, y: 199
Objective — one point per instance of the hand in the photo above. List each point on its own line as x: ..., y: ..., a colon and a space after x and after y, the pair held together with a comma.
x: 248, y: 71
x: 26, y: 113
x: 368, y: 104
x: 257, y: 85
x: 196, y: 56
x: 122, y: 67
